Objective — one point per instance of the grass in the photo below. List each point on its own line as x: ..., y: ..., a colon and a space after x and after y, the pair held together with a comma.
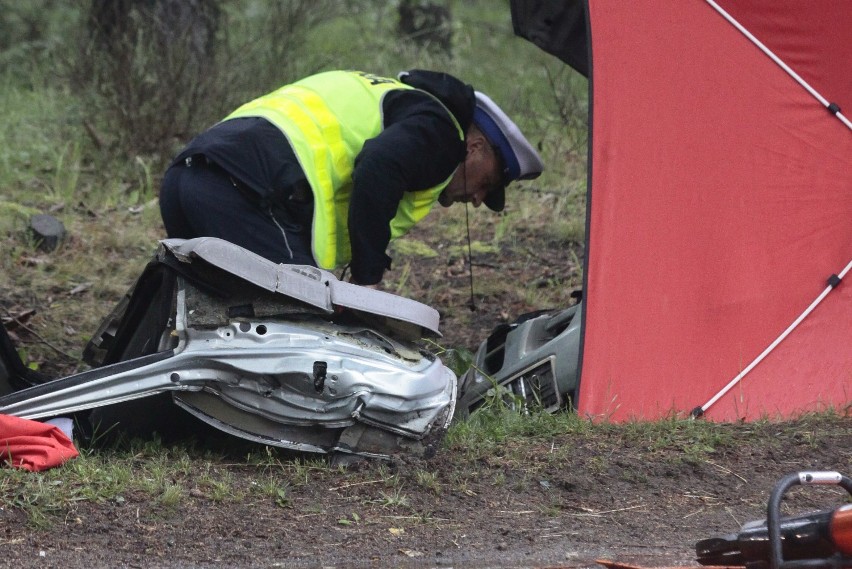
x: 394, y: 499
x: 428, y: 480
x: 506, y: 448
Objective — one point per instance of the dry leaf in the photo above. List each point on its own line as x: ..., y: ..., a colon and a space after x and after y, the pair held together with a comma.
x: 80, y: 288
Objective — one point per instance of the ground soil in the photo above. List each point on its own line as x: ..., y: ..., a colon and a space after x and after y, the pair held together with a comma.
x: 531, y: 270
x: 558, y: 501
x: 611, y: 497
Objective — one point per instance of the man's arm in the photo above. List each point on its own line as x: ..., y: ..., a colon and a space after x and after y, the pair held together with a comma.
x: 418, y: 149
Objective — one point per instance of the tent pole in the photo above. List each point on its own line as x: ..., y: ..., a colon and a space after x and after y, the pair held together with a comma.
x: 699, y: 411
x: 832, y: 107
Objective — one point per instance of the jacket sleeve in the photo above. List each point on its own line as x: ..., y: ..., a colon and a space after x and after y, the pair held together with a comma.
x: 418, y: 148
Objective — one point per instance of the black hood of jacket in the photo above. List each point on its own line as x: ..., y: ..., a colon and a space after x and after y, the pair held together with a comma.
x: 457, y: 96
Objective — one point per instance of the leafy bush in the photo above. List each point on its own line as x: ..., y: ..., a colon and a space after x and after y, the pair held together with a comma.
x: 157, y: 71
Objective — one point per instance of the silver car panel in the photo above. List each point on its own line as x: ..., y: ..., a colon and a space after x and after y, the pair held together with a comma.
x: 311, y: 285
x: 291, y: 376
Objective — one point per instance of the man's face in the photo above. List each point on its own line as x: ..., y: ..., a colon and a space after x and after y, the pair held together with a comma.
x: 479, y: 174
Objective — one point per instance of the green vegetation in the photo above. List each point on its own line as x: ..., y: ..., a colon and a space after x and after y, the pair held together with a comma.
x: 506, y: 448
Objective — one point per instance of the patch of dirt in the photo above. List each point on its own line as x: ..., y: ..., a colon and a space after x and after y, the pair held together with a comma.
x: 531, y: 270
x: 556, y: 502
x: 560, y: 501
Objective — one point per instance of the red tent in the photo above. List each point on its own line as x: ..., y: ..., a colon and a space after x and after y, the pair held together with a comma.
x: 719, y: 203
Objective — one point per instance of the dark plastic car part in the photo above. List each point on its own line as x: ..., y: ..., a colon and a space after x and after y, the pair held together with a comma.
x: 531, y: 362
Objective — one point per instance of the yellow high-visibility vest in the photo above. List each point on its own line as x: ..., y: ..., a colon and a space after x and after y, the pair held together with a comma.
x: 327, y: 118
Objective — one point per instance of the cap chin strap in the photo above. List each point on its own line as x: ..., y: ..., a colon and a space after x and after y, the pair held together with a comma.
x: 472, y: 304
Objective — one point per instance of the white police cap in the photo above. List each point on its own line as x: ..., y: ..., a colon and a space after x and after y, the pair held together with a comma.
x: 520, y: 160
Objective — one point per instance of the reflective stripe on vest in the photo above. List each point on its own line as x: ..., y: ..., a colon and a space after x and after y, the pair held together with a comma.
x: 327, y: 118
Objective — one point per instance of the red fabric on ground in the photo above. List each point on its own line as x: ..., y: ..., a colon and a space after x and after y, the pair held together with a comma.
x: 32, y: 445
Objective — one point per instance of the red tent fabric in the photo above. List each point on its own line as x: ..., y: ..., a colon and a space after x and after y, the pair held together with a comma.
x: 32, y: 445
x: 720, y: 204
